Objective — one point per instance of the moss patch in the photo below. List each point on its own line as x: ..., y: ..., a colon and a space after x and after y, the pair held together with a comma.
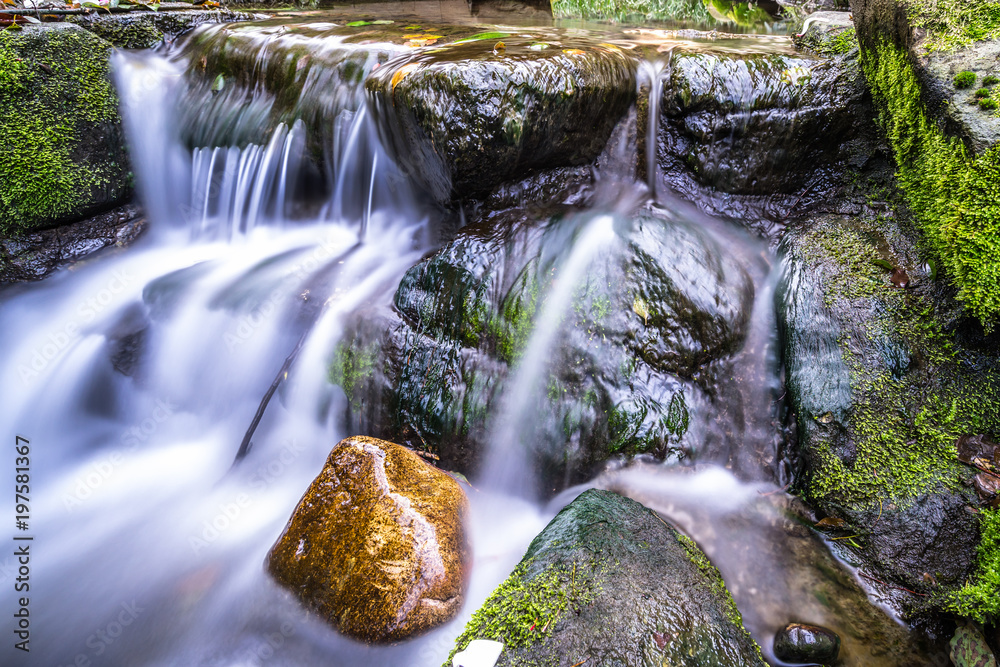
x: 955, y: 197
x: 61, y: 150
x: 980, y: 598
x: 912, y: 393
x: 953, y: 24
x: 524, y: 608
x: 351, y: 365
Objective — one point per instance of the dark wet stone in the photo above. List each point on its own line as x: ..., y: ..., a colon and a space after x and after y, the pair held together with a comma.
x: 144, y: 30
x: 868, y: 369
x: 802, y: 643
x: 36, y: 255
x: 468, y: 117
x: 758, y: 124
x: 656, y: 312
x: 608, y: 581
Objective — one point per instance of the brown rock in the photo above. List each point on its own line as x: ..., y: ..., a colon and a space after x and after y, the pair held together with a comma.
x: 377, y: 544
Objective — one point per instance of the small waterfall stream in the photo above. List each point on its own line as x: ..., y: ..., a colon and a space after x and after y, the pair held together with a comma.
x: 136, y: 375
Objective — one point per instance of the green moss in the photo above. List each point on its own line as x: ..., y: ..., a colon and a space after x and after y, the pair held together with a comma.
x: 980, y: 598
x: 843, y: 42
x: 953, y: 24
x: 990, y: 80
x: 982, y: 93
x: 955, y: 197
x: 525, y: 607
x: 46, y: 115
x: 911, y: 402
x: 965, y: 79
x: 351, y: 365
x: 988, y: 104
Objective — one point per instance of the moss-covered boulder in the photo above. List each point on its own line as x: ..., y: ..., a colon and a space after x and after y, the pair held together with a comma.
x: 885, y: 375
x: 144, y: 30
x: 758, y: 124
x: 609, y: 582
x: 466, y: 117
x: 62, y: 148
x: 942, y: 130
x: 377, y: 544
x: 658, y: 314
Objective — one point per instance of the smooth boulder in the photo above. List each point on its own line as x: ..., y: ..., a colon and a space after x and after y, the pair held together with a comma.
x: 609, y: 582
x: 377, y: 544
x: 469, y: 116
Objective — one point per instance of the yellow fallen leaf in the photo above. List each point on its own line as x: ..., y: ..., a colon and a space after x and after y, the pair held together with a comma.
x: 574, y: 52
x: 640, y: 308
x: 402, y: 72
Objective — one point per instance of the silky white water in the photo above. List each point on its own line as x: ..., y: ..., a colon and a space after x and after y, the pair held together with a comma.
x: 135, y: 377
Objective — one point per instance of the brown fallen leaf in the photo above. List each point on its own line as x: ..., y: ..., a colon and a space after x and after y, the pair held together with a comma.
x: 900, y: 278
x: 832, y: 522
x: 987, y: 485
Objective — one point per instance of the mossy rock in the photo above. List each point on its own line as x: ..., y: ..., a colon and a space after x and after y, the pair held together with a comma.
x: 144, y: 30
x: 635, y: 11
x: 609, y: 582
x: 758, y: 124
x: 884, y: 380
x: 946, y: 146
x: 657, y: 316
x: 466, y: 117
x: 62, y: 147
x: 377, y: 544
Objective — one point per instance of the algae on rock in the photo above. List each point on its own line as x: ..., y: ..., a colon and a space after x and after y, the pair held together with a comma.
x: 62, y: 149
x: 609, y: 581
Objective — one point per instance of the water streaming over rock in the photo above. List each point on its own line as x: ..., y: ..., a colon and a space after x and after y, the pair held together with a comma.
x: 277, y: 214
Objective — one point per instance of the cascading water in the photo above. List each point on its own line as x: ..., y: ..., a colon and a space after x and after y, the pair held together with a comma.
x: 136, y: 376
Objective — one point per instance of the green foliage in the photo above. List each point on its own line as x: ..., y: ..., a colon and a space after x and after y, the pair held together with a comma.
x: 954, y: 24
x: 990, y: 80
x: 983, y: 93
x: 623, y: 11
x: 980, y: 599
x: 955, y: 197
x: 965, y: 79
x: 988, y: 104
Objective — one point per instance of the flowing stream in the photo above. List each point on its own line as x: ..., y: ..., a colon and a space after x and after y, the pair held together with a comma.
x: 137, y: 374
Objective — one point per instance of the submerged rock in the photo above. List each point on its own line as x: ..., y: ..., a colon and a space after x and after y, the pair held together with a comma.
x: 802, y: 643
x: 63, y: 149
x: 659, y: 306
x: 37, y: 254
x: 377, y: 544
x: 609, y: 582
x: 884, y: 381
x: 468, y: 116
